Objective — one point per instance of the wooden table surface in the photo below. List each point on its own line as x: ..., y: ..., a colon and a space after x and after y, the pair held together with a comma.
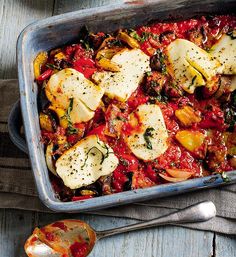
x: 16, y: 225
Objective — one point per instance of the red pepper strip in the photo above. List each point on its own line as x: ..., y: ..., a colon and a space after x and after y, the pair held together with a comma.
x: 45, y: 75
x: 99, y: 131
x: 87, y: 71
x: 85, y: 62
x: 81, y: 198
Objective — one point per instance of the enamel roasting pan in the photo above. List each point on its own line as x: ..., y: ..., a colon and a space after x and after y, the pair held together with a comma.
x: 55, y: 31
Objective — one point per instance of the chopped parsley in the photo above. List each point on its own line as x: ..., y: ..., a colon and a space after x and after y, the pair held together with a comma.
x: 144, y: 37
x: 147, y: 134
x: 192, y: 82
x: 53, y: 66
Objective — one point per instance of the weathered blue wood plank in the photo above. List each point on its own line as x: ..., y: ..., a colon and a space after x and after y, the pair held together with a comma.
x: 225, y: 246
x: 15, y: 226
x: 14, y: 16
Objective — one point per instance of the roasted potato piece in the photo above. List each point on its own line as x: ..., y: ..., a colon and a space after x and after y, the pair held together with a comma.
x: 191, y: 140
x: 216, y: 155
x: 187, y: 116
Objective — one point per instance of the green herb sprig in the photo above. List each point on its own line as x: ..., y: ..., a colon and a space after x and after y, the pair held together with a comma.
x: 71, y: 129
x: 147, y: 135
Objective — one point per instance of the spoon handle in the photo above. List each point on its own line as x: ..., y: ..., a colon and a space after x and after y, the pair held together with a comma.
x: 195, y: 213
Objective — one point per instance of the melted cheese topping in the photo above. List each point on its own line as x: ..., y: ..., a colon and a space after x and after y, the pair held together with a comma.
x: 69, y: 83
x: 150, y: 117
x: 225, y: 52
x: 120, y: 85
x: 86, y: 162
x: 190, y: 65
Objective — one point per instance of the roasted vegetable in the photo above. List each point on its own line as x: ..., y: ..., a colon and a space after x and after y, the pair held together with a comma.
x: 216, y: 155
x: 179, y: 173
x: 187, y: 115
x: 39, y: 61
x: 154, y: 83
x: 45, y: 122
x: 128, y: 40
x: 107, y: 64
x: 191, y: 140
x: 157, y: 62
x: 61, y: 115
x: 171, y: 179
x: 49, y: 159
x: 197, y: 36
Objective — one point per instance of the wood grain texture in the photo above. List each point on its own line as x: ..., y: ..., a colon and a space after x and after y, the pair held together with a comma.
x: 62, y: 6
x: 15, y: 226
x: 225, y: 246
x: 14, y: 16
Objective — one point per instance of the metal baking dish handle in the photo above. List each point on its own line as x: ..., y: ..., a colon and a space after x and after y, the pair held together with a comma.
x: 14, y: 125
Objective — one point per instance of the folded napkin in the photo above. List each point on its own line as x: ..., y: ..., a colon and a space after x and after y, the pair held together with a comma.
x: 17, y: 188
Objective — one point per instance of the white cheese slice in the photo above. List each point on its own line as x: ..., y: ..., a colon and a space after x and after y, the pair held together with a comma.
x: 189, y: 64
x: 86, y: 162
x: 69, y: 83
x: 225, y: 52
x: 151, y: 118
x: 120, y: 85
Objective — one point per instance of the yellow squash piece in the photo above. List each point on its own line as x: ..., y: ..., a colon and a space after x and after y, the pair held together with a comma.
x: 187, y: 116
x: 129, y: 40
x: 40, y: 60
x: 60, y: 114
x: 191, y: 140
x: 45, y: 122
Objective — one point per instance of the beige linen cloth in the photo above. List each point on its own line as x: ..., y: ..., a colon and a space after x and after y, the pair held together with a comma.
x: 17, y: 188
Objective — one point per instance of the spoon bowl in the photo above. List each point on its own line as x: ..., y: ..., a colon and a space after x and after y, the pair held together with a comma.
x: 75, y: 238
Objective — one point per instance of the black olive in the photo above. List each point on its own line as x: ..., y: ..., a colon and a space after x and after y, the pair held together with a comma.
x: 128, y: 184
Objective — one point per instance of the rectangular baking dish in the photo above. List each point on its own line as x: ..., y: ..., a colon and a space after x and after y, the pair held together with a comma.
x: 59, y: 30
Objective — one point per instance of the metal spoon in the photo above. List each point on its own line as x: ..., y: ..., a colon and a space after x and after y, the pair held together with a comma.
x: 64, y: 238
